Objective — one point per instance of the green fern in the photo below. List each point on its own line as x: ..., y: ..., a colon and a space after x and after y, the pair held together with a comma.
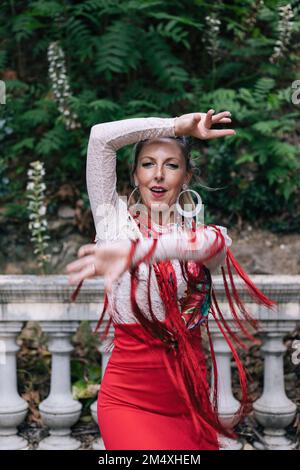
x: 173, y: 31
x: 80, y: 38
x: 25, y: 25
x: 166, y: 68
x: 52, y: 141
x: 116, y: 51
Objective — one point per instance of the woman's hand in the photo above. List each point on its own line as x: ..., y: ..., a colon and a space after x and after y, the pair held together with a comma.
x: 109, y: 261
x: 199, y: 125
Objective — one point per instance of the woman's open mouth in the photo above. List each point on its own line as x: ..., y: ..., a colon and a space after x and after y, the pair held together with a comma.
x: 158, y: 192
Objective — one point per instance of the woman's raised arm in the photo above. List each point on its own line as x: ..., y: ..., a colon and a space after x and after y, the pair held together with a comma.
x: 104, y: 141
x: 106, y: 138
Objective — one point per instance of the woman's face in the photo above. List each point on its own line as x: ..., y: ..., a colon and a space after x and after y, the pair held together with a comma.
x: 162, y: 164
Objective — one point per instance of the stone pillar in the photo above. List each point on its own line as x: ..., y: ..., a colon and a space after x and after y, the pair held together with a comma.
x: 59, y: 410
x: 274, y: 410
x: 227, y: 403
x: 13, y: 408
x: 105, y: 355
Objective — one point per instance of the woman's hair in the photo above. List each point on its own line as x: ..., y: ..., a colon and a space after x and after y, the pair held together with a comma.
x: 185, y: 146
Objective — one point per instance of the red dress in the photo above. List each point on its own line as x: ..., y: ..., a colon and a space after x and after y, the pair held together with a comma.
x: 138, y: 405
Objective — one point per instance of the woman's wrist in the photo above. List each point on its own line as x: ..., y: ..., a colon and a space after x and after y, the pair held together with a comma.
x: 180, y: 127
x: 177, y: 127
x: 176, y: 130
x: 143, y: 252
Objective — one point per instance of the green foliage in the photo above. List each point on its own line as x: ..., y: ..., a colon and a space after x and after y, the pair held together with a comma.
x: 86, y: 370
x: 259, y: 165
x: 149, y: 58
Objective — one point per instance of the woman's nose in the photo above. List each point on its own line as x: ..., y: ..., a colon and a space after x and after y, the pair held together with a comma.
x: 159, y: 173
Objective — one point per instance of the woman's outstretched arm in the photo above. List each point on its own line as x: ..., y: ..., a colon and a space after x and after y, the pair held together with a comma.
x: 111, y: 259
x: 206, y: 246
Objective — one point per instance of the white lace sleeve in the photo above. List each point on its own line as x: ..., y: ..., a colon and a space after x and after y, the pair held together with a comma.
x: 178, y: 246
x: 105, y: 139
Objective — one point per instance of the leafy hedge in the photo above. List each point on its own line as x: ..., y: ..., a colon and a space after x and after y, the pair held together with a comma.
x: 156, y: 58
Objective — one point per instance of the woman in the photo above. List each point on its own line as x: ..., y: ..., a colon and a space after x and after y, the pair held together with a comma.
x: 157, y: 264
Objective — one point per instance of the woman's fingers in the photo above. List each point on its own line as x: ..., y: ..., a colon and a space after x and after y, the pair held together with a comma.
x: 87, y: 249
x: 223, y: 114
x: 223, y: 120
x: 80, y: 264
x: 220, y: 133
x: 88, y: 271
x: 208, y: 118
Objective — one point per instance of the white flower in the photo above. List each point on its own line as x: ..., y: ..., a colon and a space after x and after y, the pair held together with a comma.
x: 285, y: 27
x: 42, y: 210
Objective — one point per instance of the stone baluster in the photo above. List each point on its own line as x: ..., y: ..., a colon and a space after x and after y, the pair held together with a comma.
x: 13, y: 408
x: 227, y: 403
x: 273, y: 410
x: 105, y: 355
x: 59, y: 410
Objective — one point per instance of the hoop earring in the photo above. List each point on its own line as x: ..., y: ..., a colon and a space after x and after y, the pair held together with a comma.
x: 195, y: 211
x: 136, y: 187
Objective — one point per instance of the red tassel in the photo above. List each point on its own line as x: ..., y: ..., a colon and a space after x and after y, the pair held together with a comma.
x: 214, y: 369
x: 242, y: 374
x: 233, y: 311
x: 74, y: 296
x: 257, y: 294
x: 128, y: 262
x: 102, y: 318
x: 233, y: 335
x: 75, y: 293
x: 217, y: 245
x: 252, y: 321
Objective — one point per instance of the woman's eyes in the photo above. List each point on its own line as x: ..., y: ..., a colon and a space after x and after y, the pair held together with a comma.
x: 172, y: 165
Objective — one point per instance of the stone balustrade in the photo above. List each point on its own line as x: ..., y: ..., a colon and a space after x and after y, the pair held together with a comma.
x: 46, y: 299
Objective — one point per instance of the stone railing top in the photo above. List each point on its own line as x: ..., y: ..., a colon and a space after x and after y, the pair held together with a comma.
x: 21, y: 297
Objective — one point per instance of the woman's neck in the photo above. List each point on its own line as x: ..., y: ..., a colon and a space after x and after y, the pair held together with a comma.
x: 156, y: 220
x: 161, y: 218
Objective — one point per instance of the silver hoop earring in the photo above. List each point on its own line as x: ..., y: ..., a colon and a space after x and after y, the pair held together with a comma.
x: 195, y: 211
x: 136, y: 187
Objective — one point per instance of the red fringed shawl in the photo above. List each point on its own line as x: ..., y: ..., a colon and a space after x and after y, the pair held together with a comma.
x: 187, y: 313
